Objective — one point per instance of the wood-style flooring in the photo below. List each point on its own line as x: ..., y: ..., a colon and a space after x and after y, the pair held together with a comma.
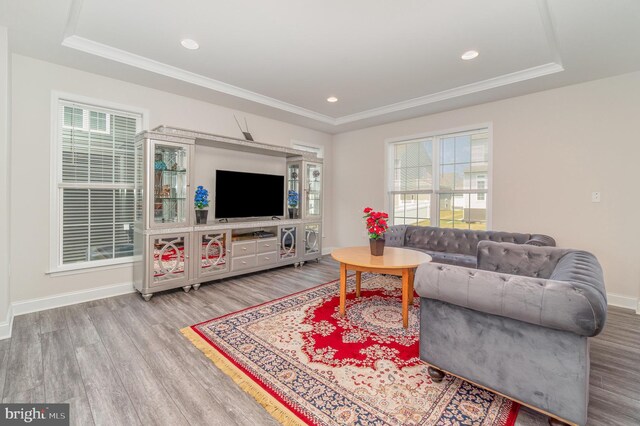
x: 122, y: 361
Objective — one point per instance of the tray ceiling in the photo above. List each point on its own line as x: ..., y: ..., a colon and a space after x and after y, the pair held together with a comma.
x: 383, y: 60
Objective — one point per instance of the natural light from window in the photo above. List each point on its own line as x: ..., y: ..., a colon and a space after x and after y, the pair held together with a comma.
x: 441, y: 180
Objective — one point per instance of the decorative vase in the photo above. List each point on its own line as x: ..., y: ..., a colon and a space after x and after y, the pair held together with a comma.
x: 377, y: 246
x: 201, y: 216
x: 293, y: 213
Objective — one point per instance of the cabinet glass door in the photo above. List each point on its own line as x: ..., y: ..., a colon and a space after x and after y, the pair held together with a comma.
x: 288, y: 246
x: 293, y: 190
x: 311, y: 238
x: 313, y: 178
x: 170, y: 254
x: 213, y: 252
x: 170, y: 181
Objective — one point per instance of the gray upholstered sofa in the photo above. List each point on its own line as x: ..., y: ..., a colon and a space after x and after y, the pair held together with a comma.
x: 518, y: 324
x: 455, y: 246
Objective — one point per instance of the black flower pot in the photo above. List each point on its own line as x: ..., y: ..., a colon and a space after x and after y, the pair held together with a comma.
x: 201, y: 216
x: 377, y: 247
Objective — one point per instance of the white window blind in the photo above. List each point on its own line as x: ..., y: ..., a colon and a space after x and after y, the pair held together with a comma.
x: 96, y: 176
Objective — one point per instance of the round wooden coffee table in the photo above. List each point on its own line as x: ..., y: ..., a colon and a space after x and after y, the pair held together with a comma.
x: 394, y: 261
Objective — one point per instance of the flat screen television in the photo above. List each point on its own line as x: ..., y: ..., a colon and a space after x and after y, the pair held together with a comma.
x: 240, y: 194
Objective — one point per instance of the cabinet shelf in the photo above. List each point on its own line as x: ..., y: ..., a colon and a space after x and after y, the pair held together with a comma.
x: 170, y: 171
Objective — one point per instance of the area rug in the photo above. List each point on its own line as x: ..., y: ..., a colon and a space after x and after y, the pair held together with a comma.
x: 307, y: 365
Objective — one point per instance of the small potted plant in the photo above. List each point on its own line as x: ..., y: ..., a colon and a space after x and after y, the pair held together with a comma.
x: 201, y: 202
x: 292, y: 202
x: 376, y: 223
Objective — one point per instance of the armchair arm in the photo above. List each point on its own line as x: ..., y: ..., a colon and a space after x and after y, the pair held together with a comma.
x: 549, y: 303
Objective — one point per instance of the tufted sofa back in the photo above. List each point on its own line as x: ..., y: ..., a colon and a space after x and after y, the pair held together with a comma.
x: 460, y: 241
x: 518, y: 259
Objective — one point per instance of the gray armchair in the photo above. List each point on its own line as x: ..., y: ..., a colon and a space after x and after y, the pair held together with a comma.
x: 519, y: 324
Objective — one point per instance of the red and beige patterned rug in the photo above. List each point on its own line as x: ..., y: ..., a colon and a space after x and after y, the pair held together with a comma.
x: 307, y: 365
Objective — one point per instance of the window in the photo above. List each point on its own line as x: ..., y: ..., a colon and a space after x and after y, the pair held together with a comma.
x: 441, y: 180
x: 82, y: 119
x: 309, y: 148
x: 95, y: 170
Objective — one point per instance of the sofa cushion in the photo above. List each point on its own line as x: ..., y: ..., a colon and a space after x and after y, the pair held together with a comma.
x: 449, y: 258
x: 453, y: 259
x: 458, y: 241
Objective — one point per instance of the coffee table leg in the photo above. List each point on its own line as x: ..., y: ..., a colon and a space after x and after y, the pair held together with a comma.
x: 358, y: 281
x: 343, y: 288
x: 406, y: 275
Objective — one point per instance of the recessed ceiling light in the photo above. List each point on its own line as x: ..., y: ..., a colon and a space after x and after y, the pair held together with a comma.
x: 470, y: 54
x: 332, y: 99
x: 187, y: 43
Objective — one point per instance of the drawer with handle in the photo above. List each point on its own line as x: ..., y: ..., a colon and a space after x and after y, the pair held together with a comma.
x: 267, y: 258
x: 267, y: 245
x: 244, y: 262
x: 243, y: 248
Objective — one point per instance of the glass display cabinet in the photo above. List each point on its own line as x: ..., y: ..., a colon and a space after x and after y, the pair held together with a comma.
x: 170, y: 171
x: 313, y: 190
x: 293, y: 189
x: 304, y: 184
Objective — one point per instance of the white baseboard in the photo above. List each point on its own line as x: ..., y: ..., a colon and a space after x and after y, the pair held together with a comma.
x: 327, y: 250
x: 623, y: 301
x: 56, y: 301
x: 7, y: 325
x: 71, y: 298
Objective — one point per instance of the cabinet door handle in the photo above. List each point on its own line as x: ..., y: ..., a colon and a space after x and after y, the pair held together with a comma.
x: 244, y: 248
x: 244, y: 263
x: 267, y: 245
x: 266, y: 258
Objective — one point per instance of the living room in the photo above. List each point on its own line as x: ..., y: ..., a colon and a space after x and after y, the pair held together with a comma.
x: 500, y: 120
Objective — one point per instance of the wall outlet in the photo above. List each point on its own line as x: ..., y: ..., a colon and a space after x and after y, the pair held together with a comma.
x: 595, y: 197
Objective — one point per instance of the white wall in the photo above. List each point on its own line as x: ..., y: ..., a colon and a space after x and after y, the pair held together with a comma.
x: 5, y: 167
x: 32, y: 84
x: 550, y: 151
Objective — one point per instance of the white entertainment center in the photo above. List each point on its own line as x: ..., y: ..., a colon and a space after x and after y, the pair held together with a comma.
x: 173, y: 251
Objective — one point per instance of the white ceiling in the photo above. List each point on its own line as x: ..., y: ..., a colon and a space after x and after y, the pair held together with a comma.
x: 384, y: 60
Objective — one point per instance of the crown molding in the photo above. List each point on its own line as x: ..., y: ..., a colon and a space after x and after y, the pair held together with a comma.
x: 492, y: 83
x: 111, y: 53
x: 114, y: 54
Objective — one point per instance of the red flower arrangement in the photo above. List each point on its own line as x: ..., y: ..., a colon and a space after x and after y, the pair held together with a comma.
x: 376, y: 223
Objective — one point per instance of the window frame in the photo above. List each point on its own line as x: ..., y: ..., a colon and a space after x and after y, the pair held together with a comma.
x: 436, y: 191
x: 86, y: 122
x: 308, y: 147
x: 55, y: 247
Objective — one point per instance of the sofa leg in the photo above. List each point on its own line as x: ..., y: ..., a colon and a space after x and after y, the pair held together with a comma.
x: 436, y: 375
x: 556, y: 422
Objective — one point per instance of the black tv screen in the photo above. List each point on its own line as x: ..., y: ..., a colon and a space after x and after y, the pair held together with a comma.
x: 240, y: 194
